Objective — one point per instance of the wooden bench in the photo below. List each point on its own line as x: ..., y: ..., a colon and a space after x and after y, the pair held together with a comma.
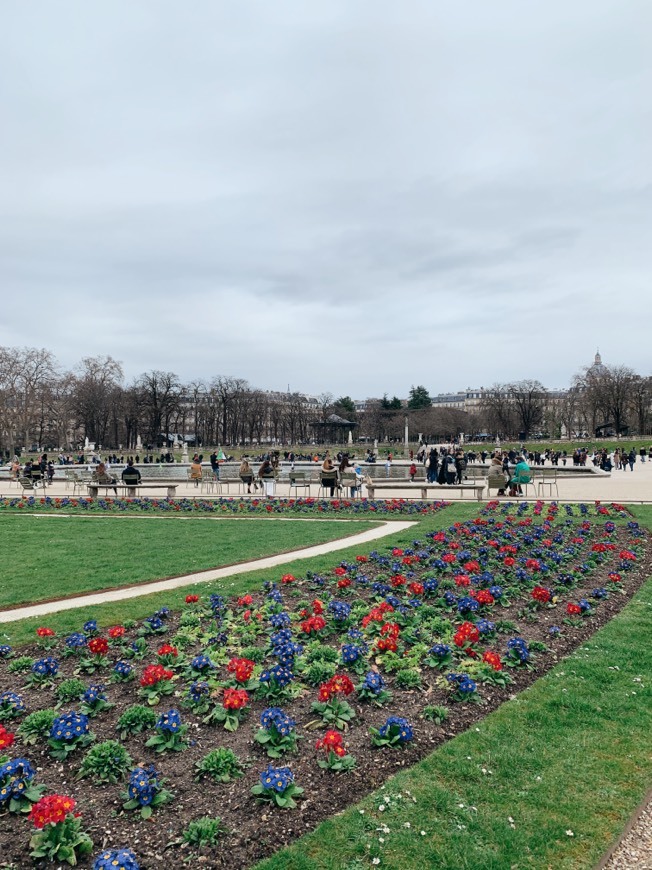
x: 130, y: 490
x: 424, y: 487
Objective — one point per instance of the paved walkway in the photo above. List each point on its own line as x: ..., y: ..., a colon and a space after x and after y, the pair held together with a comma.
x: 120, y: 594
x: 620, y: 486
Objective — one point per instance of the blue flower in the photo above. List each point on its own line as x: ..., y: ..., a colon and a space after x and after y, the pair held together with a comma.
x: 395, y: 725
x: 339, y: 610
x: 5, y: 651
x: 278, y: 674
x: 170, y: 722
x: 201, y: 663
x: 12, y: 703
x: 276, y: 778
x: 15, y: 777
x: 116, y: 859
x: 93, y: 694
x: 440, y: 650
x: 122, y: 669
x: 280, y: 620
x: 373, y: 682
x: 155, y: 623
x: 47, y: 667
x: 197, y: 691
x: 143, y: 784
x: 90, y: 627
x: 76, y: 640
x: 351, y: 653
x: 69, y: 726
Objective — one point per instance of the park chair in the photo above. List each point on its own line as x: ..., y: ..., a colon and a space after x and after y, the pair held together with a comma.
x: 80, y: 480
x: 351, y: 481
x: 299, y: 480
x: 31, y: 484
x: 523, y: 480
x: 210, y: 482
x: 327, y: 479
x: 548, y: 479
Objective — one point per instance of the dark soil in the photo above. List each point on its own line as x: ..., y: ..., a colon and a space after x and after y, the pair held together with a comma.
x: 254, y: 831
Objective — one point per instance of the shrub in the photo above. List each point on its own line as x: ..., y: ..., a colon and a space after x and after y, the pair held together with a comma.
x: 135, y: 720
x: 36, y: 726
x: 106, y: 762
x: 222, y: 765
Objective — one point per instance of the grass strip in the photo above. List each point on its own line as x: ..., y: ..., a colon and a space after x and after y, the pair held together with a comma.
x: 22, y: 631
x: 61, y: 556
x: 547, y: 780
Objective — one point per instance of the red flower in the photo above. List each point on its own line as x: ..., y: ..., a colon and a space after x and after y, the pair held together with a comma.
x: 448, y: 558
x: 386, y: 607
x: 540, y: 593
x: 235, y: 699
x: 343, y: 583
x: 398, y: 580
x: 387, y: 644
x: 192, y: 599
x: 330, y: 740
x: 573, y: 609
x: 509, y: 561
x: 241, y: 668
x: 340, y: 684
x: 245, y: 601
x: 472, y: 567
x: 397, y: 551
x: 416, y: 588
x: 6, y: 738
x: 154, y: 674
x: 51, y: 809
x: 313, y: 624
x: 339, y: 571
x: 483, y: 596
x: 390, y: 629
x: 493, y: 659
x: 466, y: 635
x: 615, y: 577
x: 317, y: 607
x: 627, y: 555
x: 533, y: 565
x: 45, y: 632
x: 361, y: 558
x: 168, y: 650
x: 116, y: 631
x: 99, y: 646
x: 462, y: 580
x: 288, y: 578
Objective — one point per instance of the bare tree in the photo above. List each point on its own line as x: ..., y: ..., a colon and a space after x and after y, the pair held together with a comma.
x: 159, y: 398
x: 96, y: 384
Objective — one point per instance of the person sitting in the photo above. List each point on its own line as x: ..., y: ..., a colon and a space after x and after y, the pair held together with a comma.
x: 246, y: 473
x: 522, y: 474
x: 195, y: 470
x: 131, y: 476
x: 329, y: 475
x: 102, y: 476
x: 496, y: 476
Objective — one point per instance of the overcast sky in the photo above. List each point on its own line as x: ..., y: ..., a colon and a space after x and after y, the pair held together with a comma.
x: 350, y: 196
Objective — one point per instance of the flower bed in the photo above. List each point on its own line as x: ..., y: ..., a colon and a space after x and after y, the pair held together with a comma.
x: 280, y: 707
x: 225, y: 506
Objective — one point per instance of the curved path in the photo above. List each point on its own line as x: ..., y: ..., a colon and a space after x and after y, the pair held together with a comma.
x: 46, y: 607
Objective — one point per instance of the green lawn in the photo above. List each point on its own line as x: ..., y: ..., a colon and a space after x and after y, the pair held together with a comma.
x: 22, y: 631
x: 50, y: 557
